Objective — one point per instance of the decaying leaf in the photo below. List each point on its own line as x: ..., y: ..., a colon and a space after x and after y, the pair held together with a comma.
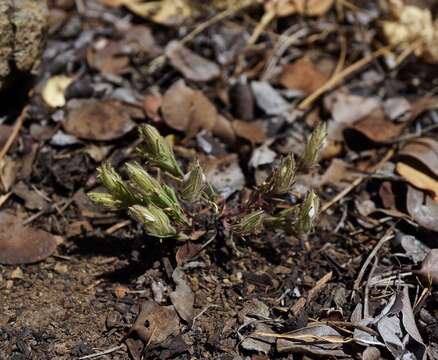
x: 190, y: 64
x: 155, y: 323
x: 346, y: 109
x: 303, y: 7
x: 188, y: 110
x: 53, y: 91
x: 418, y: 178
x: 397, y: 327
x: 376, y: 128
x: 183, y: 297
x: 302, y: 75
x: 98, y: 119
x: 413, y: 28
x: 21, y: 244
x: 423, y: 150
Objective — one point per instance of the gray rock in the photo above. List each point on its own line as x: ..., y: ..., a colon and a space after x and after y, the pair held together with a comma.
x: 23, y: 25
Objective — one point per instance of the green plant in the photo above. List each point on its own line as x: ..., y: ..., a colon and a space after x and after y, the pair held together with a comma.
x: 161, y: 203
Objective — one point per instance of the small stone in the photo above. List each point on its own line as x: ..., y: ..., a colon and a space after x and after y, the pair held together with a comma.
x: 17, y: 274
x: 60, y: 268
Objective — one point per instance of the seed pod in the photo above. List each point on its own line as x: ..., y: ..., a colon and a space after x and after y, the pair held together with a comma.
x: 114, y: 183
x: 154, y: 220
x: 158, y: 151
x: 308, y: 213
x: 144, y: 183
x: 106, y: 200
x: 282, y: 179
x: 250, y: 224
x: 193, y: 184
x: 310, y: 156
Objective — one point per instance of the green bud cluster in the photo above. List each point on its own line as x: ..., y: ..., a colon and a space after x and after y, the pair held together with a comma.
x: 160, y: 207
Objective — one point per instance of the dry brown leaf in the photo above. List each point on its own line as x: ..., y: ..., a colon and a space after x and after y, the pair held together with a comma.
x: 98, y: 119
x: 376, y: 128
x: 21, y: 244
x: 302, y: 75
x: 424, y: 150
x: 418, y: 179
x: 155, y: 323
x: 107, y: 57
x: 412, y: 28
x: 190, y: 64
x: 303, y: 7
x: 188, y: 110
x: 53, y: 91
x: 151, y: 106
x: 249, y: 131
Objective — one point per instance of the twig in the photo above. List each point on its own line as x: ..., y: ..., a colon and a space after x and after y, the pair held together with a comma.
x: 337, y: 78
x: 117, y: 226
x: 102, y: 353
x: 261, y: 26
x: 388, y: 236
x: 357, y: 181
x: 202, y: 312
x: 14, y: 134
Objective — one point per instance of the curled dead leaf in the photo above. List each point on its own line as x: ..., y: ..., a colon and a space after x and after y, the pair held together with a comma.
x: 21, y: 244
x: 418, y: 178
x: 374, y: 127
x: 424, y: 150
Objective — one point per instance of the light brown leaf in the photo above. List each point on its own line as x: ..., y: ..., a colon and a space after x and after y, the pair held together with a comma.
x: 188, y: 110
x: 155, y: 323
x: 98, y: 119
x: 21, y: 244
x: 302, y: 75
x: 376, y: 128
x: 249, y: 131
